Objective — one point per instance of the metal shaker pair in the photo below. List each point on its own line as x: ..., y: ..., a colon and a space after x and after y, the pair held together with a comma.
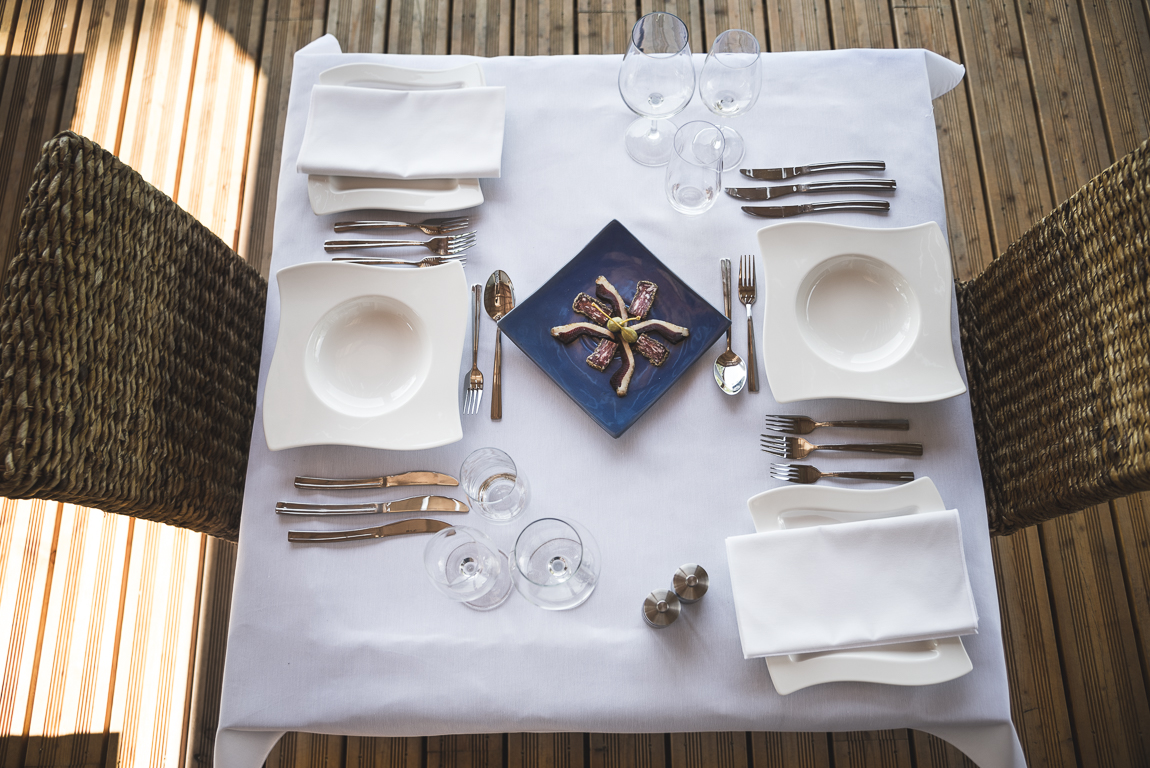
x: 688, y: 585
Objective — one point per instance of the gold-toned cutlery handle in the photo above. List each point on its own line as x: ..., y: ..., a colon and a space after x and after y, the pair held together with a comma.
x: 354, y: 245
x: 295, y: 508
x: 402, y: 528
x: 895, y: 477
x: 419, y: 477
x: 497, y: 379
x: 898, y: 449
x: 753, y: 368
x: 899, y: 424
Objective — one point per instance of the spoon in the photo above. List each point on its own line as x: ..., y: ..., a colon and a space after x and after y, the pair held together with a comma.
x: 498, y: 300
x: 730, y: 370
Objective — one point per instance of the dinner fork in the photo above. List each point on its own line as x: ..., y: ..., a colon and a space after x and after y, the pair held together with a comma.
x: 747, y: 293
x: 473, y: 389
x: 804, y: 425
x: 430, y: 261
x: 428, y: 226
x: 798, y: 448
x: 805, y: 473
x: 441, y: 246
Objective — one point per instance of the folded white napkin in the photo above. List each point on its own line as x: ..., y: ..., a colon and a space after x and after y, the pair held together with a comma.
x: 851, y: 585
x: 377, y: 133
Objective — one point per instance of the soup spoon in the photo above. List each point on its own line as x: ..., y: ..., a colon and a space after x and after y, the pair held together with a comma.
x: 730, y: 369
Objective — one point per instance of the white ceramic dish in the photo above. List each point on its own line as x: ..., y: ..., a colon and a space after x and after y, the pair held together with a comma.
x: 332, y: 194
x: 367, y: 356
x: 925, y: 662
x: 858, y: 313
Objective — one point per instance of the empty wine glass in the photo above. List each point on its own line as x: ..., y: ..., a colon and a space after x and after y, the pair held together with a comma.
x: 464, y: 564
x: 656, y: 81
x: 555, y: 564
x: 730, y: 83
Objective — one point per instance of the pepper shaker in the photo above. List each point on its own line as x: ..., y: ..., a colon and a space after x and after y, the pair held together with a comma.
x: 690, y: 582
x: 661, y: 608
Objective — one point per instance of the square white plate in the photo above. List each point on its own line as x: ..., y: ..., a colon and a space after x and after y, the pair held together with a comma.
x: 332, y: 194
x: 859, y: 313
x: 367, y: 356
x: 924, y: 662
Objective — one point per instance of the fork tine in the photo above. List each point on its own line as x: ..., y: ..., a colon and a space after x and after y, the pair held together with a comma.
x: 754, y: 279
x: 452, y: 221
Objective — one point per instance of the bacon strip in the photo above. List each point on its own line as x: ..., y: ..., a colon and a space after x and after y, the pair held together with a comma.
x: 568, y: 333
x: 650, y: 348
x: 590, y: 309
x: 622, y: 378
x: 601, y: 357
x: 614, y: 300
x: 669, y: 331
x: 644, y: 298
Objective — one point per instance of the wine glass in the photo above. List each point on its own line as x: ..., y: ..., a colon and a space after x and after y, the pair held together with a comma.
x: 730, y: 83
x: 656, y: 81
x: 555, y: 564
x: 464, y: 564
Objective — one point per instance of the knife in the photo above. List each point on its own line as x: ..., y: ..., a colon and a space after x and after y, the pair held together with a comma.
x: 419, y: 525
x: 779, y: 174
x: 391, y: 481
x: 414, y: 504
x: 850, y: 185
x: 783, y: 211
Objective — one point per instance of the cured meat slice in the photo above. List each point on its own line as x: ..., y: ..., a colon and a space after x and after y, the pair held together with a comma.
x: 568, y: 333
x: 644, y: 298
x: 611, y: 297
x: 590, y: 309
x: 650, y: 348
x: 601, y: 357
x: 669, y: 331
x: 622, y: 378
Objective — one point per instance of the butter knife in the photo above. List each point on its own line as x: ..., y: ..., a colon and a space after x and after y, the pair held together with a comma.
x: 851, y: 185
x: 414, y: 504
x: 418, y: 525
x: 391, y: 481
x: 784, y: 211
x: 780, y: 174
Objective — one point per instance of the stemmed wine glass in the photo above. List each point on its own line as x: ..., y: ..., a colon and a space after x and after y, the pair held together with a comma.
x: 656, y: 81
x: 730, y: 83
x: 464, y: 564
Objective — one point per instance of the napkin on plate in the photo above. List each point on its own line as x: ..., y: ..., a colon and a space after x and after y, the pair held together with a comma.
x: 453, y: 133
x: 851, y: 585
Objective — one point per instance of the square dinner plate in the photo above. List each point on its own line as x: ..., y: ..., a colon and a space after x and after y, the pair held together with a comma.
x: 367, y: 356
x: 617, y: 255
x: 860, y: 313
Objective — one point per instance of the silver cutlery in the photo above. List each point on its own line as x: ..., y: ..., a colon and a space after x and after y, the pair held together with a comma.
x: 850, y: 185
x: 803, y: 425
x: 805, y: 473
x: 440, y: 246
x: 428, y: 226
x: 780, y: 174
x: 498, y: 299
x: 390, y: 481
x: 799, y: 448
x: 786, y: 211
x: 377, y: 261
x: 747, y: 293
x: 418, y: 525
x: 414, y: 504
x: 473, y: 387
x: 730, y: 370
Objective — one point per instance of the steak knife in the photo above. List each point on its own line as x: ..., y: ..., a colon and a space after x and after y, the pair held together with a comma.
x: 403, y: 527
x: 850, y: 185
x: 414, y: 504
x: 391, y: 481
x: 781, y: 174
x: 785, y: 211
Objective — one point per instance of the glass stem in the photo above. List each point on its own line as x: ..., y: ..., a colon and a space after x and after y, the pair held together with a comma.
x: 654, y: 134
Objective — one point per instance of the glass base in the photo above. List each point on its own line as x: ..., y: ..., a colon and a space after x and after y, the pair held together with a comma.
x: 498, y: 593
x: 732, y: 148
x: 650, y: 142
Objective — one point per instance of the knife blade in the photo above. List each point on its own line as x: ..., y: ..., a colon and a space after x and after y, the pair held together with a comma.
x: 403, y: 527
x: 391, y: 481
x: 413, y: 504
x: 850, y: 185
x: 785, y: 211
x: 781, y: 174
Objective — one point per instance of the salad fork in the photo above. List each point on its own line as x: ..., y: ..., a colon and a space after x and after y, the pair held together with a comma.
x: 473, y: 389
x: 430, y: 261
x: 428, y: 226
x: 805, y: 473
x: 799, y: 448
x: 747, y: 293
x: 441, y: 246
x: 804, y: 425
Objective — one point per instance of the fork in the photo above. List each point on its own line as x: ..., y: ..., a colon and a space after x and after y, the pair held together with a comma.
x: 805, y: 473
x: 747, y: 293
x: 804, y: 425
x: 798, y: 448
x: 473, y: 390
x: 429, y: 226
x: 430, y: 261
x: 441, y: 246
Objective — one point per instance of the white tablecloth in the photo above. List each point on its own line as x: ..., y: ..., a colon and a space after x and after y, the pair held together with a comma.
x: 353, y: 639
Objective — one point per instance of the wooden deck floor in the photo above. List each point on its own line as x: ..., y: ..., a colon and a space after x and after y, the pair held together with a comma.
x: 113, y: 631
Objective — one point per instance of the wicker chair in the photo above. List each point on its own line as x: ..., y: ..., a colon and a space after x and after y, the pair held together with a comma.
x: 1056, y: 335
x: 129, y: 349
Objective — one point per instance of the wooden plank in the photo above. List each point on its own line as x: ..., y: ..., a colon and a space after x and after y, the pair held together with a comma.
x: 861, y: 24
x: 604, y: 26
x: 798, y: 25
x: 481, y: 27
x: 1120, y: 49
x: 890, y: 749
x: 543, y: 27
x: 108, y: 31
x: 483, y: 750
x: 418, y: 26
x: 628, y: 750
x: 692, y: 14
x: 1132, y: 527
x: 308, y: 750
x: 721, y: 15
x: 546, y: 750
x: 363, y: 752
x: 210, y: 647
x: 790, y: 750
x: 1109, y: 706
x: 359, y: 25
x: 709, y: 750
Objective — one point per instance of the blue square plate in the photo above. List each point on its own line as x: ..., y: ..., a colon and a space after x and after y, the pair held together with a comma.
x: 618, y: 256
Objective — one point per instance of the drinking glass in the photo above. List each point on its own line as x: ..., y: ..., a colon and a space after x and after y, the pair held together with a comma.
x: 555, y: 564
x: 497, y: 490
x: 464, y: 564
x: 730, y: 83
x: 656, y: 81
x: 695, y: 173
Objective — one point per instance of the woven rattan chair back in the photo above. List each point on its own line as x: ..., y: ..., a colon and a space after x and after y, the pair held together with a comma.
x: 129, y: 349
x: 1056, y: 335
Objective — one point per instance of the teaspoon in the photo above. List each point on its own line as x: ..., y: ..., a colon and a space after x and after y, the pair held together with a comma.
x: 730, y: 369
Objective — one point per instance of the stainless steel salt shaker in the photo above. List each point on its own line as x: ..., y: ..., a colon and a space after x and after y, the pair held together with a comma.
x: 661, y: 608
x: 690, y: 582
